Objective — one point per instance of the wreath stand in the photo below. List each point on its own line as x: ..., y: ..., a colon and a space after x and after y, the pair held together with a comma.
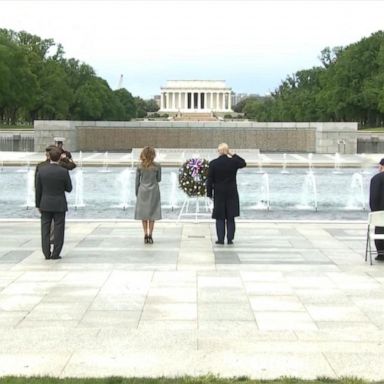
x: 203, y: 208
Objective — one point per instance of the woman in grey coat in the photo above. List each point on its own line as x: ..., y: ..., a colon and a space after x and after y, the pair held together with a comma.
x: 148, y: 206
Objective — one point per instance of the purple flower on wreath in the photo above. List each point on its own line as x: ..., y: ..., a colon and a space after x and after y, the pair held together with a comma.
x: 195, y: 165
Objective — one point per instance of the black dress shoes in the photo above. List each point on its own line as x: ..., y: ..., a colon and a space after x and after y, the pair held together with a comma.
x: 379, y: 258
x: 47, y: 257
x: 219, y: 242
x: 55, y: 257
x: 229, y: 242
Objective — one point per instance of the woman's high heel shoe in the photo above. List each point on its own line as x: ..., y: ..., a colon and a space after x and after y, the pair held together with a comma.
x: 150, y: 240
x: 146, y: 239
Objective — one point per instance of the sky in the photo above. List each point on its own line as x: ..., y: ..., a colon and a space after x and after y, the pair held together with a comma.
x: 251, y: 44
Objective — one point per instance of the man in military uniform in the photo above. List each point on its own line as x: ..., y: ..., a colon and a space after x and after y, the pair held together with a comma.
x: 66, y: 160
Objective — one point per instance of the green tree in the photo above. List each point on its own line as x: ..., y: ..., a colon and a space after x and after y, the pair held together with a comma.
x: 141, y: 107
x: 127, y: 102
x: 151, y: 105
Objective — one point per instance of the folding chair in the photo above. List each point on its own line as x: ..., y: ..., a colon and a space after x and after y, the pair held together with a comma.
x: 375, y: 219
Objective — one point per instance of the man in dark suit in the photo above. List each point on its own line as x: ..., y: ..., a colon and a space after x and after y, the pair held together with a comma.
x: 64, y: 162
x: 221, y: 185
x: 52, y: 181
x: 376, y: 203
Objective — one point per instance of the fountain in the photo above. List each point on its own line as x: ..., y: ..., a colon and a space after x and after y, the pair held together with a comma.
x: 105, y: 163
x: 310, y: 166
x: 356, y: 199
x: 80, y: 161
x: 365, y: 164
x: 132, y: 160
x: 284, y: 170
x: 309, y: 192
x: 259, y: 163
x: 336, y: 169
x: 79, y: 189
x: 125, y: 181
x: 172, y: 203
x: 30, y: 199
x: 265, y: 190
x: 269, y: 195
x: 264, y: 201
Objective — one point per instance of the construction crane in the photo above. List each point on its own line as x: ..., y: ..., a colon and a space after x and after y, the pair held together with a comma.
x: 120, y: 82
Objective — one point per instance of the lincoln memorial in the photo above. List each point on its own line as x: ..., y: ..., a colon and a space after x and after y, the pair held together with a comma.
x: 195, y: 96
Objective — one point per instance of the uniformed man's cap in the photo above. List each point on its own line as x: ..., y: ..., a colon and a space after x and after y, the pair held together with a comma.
x: 381, y: 162
x: 59, y: 139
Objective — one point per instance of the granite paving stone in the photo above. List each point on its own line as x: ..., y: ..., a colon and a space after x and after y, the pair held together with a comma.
x: 288, y: 298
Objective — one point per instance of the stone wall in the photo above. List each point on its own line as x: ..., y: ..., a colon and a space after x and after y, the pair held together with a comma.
x: 268, y: 137
x: 17, y: 141
x: 370, y: 142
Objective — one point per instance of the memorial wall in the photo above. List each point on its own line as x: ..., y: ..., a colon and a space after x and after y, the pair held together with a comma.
x: 268, y: 137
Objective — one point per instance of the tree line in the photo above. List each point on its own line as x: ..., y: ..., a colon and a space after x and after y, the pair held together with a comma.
x: 38, y: 82
x: 347, y: 86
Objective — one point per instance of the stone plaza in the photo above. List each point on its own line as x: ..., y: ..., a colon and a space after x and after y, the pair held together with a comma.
x: 289, y: 298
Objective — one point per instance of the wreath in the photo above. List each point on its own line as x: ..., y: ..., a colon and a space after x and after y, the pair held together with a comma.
x: 192, y: 177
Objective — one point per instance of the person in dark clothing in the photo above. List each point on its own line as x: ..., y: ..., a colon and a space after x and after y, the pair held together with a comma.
x: 63, y: 163
x: 45, y: 162
x: 52, y: 181
x: 66, y: 159
x: 376, y: 203
x: 221, y: 185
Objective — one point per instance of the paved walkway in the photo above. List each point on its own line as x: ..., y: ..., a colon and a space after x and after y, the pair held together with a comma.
x: 291, y: 299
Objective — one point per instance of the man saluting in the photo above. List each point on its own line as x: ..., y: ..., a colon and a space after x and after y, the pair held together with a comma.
x: 52, y: 181
x: 221, y: 185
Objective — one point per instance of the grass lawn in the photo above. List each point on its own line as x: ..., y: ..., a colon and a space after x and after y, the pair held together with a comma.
x: 6, y: 127
x: 379, y: 129
x: 181, y: 380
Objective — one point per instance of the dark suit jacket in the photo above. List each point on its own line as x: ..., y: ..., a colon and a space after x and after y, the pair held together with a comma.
x: 221, y: 184
x: 376, y: 192
x: 52, y: 181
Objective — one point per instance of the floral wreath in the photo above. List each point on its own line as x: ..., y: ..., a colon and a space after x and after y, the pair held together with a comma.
x: 192, y: 177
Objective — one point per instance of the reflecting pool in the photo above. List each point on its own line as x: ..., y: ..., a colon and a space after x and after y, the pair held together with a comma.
x: 270, y: 193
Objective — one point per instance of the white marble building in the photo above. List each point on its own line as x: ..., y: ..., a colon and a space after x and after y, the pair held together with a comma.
x: 195, y: 96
